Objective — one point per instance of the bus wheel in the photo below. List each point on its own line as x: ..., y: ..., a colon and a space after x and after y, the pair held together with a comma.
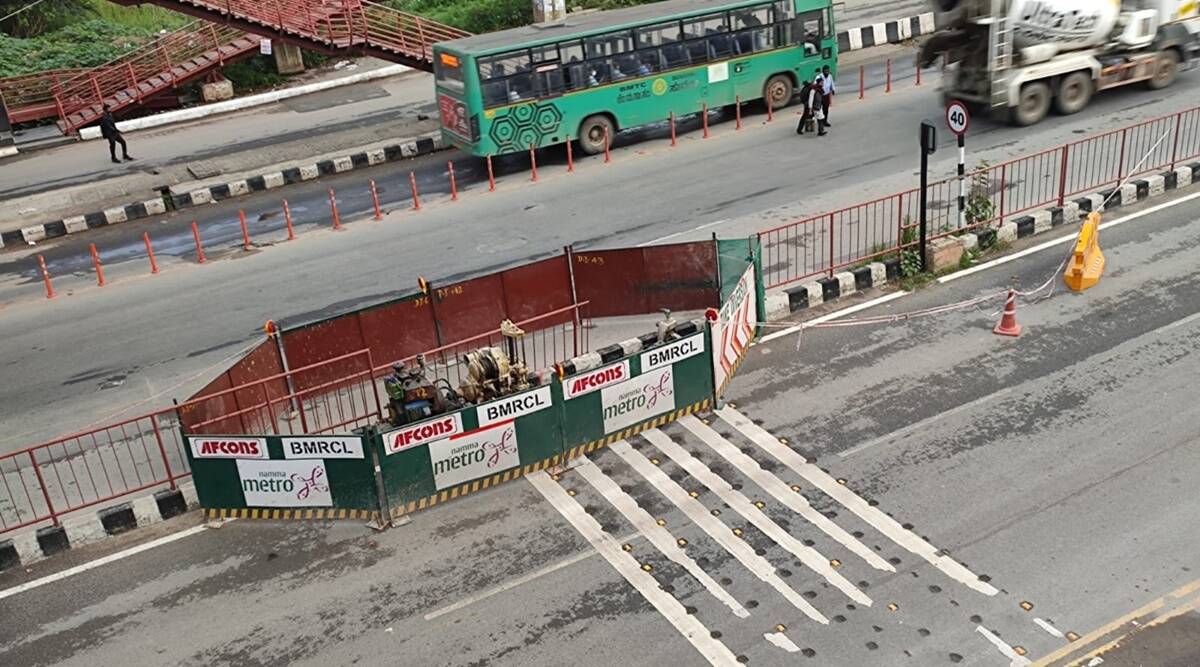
x: 1033, y: 104
x: 592, y: 131
x: 778, y: 91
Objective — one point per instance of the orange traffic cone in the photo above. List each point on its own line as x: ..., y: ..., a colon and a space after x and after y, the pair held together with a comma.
x: 1008, y: 321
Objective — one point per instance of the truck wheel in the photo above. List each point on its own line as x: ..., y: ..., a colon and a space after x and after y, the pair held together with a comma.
x: 592, y: 131
x: 1074, y: 93
x: 1033, y: 104
x: 778, y: 92
x: 1166, y: 66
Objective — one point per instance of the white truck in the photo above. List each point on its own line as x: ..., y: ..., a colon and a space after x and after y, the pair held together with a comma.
x: 1018, y: 58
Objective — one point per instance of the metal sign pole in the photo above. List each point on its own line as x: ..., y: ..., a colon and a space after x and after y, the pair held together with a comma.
x: 928, y: 146
x: 962, y: 172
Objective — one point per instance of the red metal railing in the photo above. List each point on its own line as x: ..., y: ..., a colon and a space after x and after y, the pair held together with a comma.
x: 160, y: 65
x: 31, y: 96
x: 96, y: 466
x: 824, y: 244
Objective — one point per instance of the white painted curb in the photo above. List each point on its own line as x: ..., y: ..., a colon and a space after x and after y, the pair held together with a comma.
x: 240, y: 103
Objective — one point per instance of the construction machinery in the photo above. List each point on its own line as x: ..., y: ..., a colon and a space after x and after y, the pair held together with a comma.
x: 1017, y: 59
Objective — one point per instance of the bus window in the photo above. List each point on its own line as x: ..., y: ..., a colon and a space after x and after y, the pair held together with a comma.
x: 658, y: 35
x: 784, y: 34
x: 812, y: 31
x: 751, y: 28
x: 506, y: 78
x: 448, y: 71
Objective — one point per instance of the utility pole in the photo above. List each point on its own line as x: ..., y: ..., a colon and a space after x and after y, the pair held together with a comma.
x: 928, y: 146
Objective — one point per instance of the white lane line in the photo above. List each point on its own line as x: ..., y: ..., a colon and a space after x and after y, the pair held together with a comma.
x: 111, y: 558
x: 782, y: 641
x: 851, y: 501
x: 1066, y: 239
x: 924, y: 423
x: 470, y: 600
x: 1014, y: 660
x: 686, y: 231
x: 713, y: 650
x: 782, y: 492
x: 656, y: 534
x: 758, y: 566
x: 739, y: 503
x: 1045, y: 625
x: 833, y: 316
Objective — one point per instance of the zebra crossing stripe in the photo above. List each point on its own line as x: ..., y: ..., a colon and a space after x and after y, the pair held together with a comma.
x: 758, y: 566
x: 739, y: 503
x: 783, y: 493
x: 714, y: 651
x: 851, y: 501
x: 656, y: 534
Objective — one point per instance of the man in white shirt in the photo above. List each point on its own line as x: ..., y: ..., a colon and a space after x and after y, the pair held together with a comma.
x: 827, y: 91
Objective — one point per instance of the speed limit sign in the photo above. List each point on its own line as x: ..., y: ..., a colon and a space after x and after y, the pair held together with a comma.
x: 957, y: 117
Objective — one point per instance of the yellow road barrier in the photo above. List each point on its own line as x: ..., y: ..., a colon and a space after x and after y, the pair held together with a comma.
x: 1087, y: 262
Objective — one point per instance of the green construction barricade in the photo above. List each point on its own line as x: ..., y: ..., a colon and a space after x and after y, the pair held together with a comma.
x: 321, y: 476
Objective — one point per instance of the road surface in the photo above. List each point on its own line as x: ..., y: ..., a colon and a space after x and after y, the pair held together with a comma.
x: 93, y: 351
x: 959, y: 499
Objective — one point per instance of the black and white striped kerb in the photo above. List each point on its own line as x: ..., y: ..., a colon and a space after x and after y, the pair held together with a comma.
x: 888, y: 32
x: 427, y: 143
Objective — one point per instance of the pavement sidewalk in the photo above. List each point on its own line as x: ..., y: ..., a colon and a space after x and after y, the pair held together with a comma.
x: 78, y: 178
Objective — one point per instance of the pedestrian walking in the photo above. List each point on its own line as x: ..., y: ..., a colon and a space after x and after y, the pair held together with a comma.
x: 814, y: 115
x: 108, y: 130
x: 827, y: 91
x: 805, y: 110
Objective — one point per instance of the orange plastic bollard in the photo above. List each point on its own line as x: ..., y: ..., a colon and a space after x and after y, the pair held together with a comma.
x: 150, y: 253
x: 491, y: 175
x: 704, y: 118
x: 337, y: 220
x: 737, y: 109
x: 570, y: 158
x: 770, y: 110
x: 918, y: 74
x: 375, y: 201
x: 862, y: 81
x: 412, y: 179
x: 607, y: 151
x: 532, y: 164
x: 888, y: 88
x: 200, y: 259
x: 287, y: 218
x: 99, y: 268
x: 245, y: 230
x: 672, y: 118
x: 46, y: 277
x: 453, y: 182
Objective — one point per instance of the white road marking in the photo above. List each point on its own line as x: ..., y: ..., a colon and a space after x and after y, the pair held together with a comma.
x: 782, y: 641
x: 1066, y: 239
x: 686, y: 231
x: 470, y: 600
x: 1014, y: 660
x: 782, y: 492
x: 717, y: 530
x: 1045, y: 625
x: 656, y: 534
x: 714, y: 651
x: 111, y: 558
x: 739, y: 503
x: 851, y: 501
x: 833, y: 316
x: 895, y: 435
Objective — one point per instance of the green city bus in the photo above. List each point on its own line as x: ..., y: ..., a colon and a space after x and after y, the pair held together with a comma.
x: 595, y: 73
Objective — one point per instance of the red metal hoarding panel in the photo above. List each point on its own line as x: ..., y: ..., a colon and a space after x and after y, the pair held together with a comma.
x: 537, y: 288
x: 680, y: 276
x: 469, y: 308
x: 398, y: 330
x: 611, y: 281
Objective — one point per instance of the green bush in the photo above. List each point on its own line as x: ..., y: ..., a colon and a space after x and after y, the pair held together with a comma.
x: 252, y: 74
x: 84, y: 44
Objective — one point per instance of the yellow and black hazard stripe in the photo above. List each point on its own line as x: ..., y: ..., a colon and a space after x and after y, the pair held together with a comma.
x: 318, y: 513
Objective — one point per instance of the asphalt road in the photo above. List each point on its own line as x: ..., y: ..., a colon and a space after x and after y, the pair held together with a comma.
x: 94, y: 351
x: 973, y: 500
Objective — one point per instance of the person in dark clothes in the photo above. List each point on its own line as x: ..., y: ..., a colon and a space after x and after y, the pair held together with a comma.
x: 813, y: 107
x: 806, y: 111
x: 108, y: 130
